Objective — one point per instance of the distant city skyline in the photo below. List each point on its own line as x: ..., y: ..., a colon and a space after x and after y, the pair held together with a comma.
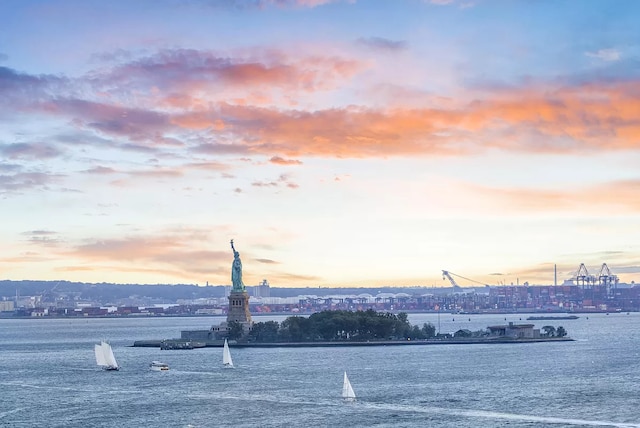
x: 340, y: 143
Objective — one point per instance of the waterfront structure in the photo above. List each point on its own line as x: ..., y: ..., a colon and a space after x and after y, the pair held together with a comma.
x: 516, y: 331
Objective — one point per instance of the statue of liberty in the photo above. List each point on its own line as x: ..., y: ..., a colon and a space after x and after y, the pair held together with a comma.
x: 236, y: 271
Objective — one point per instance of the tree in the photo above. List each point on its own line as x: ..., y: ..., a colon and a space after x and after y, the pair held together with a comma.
x: 295, y: 329
x: 402, y: 326
x: 561, y: 332
x: 264, y: 332
x: 236, y: 331
x: 549, y: 330
x: 416, y: 333
x: 429, y: 330
x: 342, y: 325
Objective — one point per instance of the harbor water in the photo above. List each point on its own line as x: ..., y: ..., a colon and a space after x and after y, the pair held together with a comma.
x: 48, y: 378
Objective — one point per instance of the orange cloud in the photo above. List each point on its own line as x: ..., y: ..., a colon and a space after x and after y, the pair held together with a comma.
x: 176, y: 254
x: 589, y: 117
x: 179, y: 253
x: 280, y: 161
x: 620, y: 196
x: 536, y: 118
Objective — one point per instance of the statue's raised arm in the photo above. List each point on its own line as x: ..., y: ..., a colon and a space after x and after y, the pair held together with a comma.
x: 232, y: 247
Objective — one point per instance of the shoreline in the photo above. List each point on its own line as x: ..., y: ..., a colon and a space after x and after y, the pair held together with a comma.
x: 184, y: 344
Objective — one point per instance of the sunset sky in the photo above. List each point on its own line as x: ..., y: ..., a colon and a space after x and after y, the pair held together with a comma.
x: 339, y: 143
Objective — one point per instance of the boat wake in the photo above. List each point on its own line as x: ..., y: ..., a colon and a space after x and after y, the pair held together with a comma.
x: 499, y: 415
x: 484, y: 414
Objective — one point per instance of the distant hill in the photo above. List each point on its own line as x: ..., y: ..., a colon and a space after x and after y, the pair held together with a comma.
x: 104, y: 291
x: 107, y: 291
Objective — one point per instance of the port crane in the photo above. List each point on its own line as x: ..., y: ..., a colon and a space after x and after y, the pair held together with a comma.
x: 447, y: 275
x: 583, y: 277
x: 604, y: 280
x: 605, y: 277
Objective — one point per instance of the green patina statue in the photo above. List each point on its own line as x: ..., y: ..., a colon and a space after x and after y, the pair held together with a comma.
x: 236, y: 271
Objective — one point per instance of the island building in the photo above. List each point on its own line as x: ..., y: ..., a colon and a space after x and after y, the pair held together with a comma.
x: 238, y: 307
x: 516, y: 331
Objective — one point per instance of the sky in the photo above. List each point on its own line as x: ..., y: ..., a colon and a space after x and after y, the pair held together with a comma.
x: 339, y: 143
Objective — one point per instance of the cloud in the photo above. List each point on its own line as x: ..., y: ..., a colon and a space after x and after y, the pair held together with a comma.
x: 100, y: 170
x: 221, y: 149
x: 210, y: 166
x: 23, y: 181
x: 586, y: 117
x: 441, y: 2
x: 534, y: 117
x: 29, y: 150
x: 383, y: 44
x: 44, y: 238
x: 189, y: 76
x: 39, y: 232
x: 137, y: 124
x: 262, y: 4
x: 157, y: 173
x: 10, y: 167
x: 266, y: 261
x: 176, y: 253
x: 619, y: 196
x: 19, y: 90
x: 282, y: 180
x: 265, y: 184
x: 280, y: 161
x: 607, y: 55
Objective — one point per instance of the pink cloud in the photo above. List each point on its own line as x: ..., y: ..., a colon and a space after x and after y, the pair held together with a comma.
x: 281, y: 161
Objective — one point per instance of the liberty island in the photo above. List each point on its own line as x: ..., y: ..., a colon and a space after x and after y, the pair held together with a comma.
x: 338, y: 328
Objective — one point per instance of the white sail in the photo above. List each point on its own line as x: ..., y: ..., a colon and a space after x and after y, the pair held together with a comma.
x: 100, y: 360
x: 226, y: 355
x: 105, y: 357
x: 108, y: 354
x: 347, y: 391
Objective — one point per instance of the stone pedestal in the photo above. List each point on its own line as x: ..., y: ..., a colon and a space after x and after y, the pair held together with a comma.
x: 239, y: 307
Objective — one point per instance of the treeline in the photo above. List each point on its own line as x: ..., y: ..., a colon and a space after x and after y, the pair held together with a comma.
x: 335, y: 325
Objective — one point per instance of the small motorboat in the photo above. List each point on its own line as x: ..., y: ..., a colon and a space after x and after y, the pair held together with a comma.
x: 158, y: 366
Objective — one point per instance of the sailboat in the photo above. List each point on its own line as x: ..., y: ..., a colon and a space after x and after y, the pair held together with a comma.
x: 105, y: 357
x: 227, y: 362
x: 347, y: 391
